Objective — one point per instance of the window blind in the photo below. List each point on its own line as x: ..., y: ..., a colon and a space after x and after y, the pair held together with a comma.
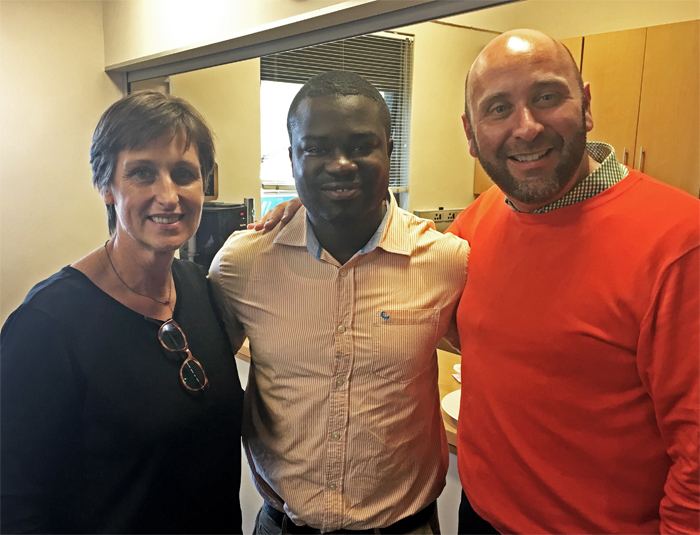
x: 386, y: 61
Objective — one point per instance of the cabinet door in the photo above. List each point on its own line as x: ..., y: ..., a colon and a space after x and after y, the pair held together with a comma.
x: 575, y: 46
x: 669, y: 118
x: 612, y: 63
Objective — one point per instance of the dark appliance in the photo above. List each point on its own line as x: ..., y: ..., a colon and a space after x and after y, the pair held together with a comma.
x: 219, y: 220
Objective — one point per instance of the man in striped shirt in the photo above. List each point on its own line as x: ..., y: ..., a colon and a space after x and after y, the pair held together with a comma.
x: 343, y: 306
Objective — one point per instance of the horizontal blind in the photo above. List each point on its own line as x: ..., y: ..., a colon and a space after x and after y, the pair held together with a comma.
x: 385, y: 62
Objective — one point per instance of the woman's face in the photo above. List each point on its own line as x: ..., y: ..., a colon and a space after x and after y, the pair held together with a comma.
x: 157, y: 192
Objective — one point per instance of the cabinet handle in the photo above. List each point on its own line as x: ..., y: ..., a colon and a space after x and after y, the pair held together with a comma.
x: 641, y: 159
x: 624, y: 156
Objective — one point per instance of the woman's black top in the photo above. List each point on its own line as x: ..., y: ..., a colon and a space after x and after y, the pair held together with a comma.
x: 98, y: 434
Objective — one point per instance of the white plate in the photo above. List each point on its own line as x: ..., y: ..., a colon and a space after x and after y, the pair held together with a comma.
x: 450, y: 404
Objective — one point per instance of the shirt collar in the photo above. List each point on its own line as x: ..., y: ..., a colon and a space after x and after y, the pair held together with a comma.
x: 299, y: 233
x: 396, y: 238
x: 607, y: 174
x: 315, y: 249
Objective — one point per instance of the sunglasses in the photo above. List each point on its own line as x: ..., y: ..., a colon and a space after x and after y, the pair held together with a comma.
x: 191, y: 372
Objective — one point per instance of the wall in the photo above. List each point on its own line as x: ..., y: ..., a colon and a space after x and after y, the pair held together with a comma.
x: 441, y: 169
x: 229, y: 97
x: 52, y: 94
x: 139, y: 29
x: 52, y: 58
x: 566, y: 18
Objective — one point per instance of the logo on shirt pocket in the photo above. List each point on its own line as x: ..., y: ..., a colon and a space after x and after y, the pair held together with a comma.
x: 403, y: 342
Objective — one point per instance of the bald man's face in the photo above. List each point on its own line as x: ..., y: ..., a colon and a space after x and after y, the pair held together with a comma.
x: 529, y: 118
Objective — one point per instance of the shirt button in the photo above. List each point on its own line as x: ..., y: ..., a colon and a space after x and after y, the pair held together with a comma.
x: 343, y: 273
x: 341, y: 329
x: 331, y: 486
x: 336, y: 436
x: 338, y: 383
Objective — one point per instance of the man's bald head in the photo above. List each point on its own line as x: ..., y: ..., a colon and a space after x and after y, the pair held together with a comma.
x: 521, y: 45
x: 527, y: 115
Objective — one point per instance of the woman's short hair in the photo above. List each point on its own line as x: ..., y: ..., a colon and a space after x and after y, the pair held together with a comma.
x: 137, y: 120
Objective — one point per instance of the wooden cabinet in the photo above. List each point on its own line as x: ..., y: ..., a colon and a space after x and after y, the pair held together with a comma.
x: 613, y: 65
x: 668, y: 131
x: 645, y: 93
x: 575, y: 46
x: 645, y: 100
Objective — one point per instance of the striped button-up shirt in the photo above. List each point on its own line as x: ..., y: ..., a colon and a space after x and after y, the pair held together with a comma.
x: 342, y: 424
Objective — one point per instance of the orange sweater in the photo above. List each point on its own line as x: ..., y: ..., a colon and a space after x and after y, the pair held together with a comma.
x: 580, y: 341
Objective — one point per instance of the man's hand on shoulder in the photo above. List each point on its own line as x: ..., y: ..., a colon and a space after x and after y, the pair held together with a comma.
x: 282, y: 213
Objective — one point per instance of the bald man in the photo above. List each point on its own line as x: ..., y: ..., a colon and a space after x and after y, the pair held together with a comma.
x: 580, y: 318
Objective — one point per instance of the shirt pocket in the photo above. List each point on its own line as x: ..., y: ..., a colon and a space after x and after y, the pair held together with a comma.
x: 403, y: 342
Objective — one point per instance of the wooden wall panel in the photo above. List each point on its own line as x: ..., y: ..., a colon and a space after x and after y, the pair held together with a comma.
x: 612, y: 63
x: 669, y: 112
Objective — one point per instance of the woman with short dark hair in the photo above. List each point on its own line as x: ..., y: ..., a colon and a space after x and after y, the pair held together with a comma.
x: 120, y: 399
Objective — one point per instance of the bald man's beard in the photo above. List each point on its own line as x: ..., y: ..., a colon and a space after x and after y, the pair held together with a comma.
x: 536, y: 190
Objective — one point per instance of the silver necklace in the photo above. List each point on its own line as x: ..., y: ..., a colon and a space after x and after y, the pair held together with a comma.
x: 170, y: 293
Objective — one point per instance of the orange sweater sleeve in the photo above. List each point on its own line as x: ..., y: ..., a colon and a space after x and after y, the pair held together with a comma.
x: 668, y: 360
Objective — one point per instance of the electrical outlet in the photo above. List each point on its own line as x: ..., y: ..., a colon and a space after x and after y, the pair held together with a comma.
x: 439, y: 216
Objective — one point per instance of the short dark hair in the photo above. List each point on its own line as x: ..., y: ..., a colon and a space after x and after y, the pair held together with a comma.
x: 137, y: 120
x: 338, y: 84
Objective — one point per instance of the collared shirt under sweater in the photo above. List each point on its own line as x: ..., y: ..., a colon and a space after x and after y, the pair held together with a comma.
x: 342, y: 423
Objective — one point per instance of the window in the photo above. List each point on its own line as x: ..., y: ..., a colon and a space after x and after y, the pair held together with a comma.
x: 384, y: 60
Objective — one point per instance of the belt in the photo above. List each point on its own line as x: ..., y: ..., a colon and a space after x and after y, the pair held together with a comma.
x: 405, y: 525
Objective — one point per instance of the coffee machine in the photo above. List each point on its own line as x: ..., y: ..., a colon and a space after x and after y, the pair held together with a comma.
x: 219, y: 220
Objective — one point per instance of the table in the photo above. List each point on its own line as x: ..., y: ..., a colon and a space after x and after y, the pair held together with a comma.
x: 447, y: 384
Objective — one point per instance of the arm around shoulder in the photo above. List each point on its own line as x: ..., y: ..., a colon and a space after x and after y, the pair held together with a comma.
x: 223, y: 290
